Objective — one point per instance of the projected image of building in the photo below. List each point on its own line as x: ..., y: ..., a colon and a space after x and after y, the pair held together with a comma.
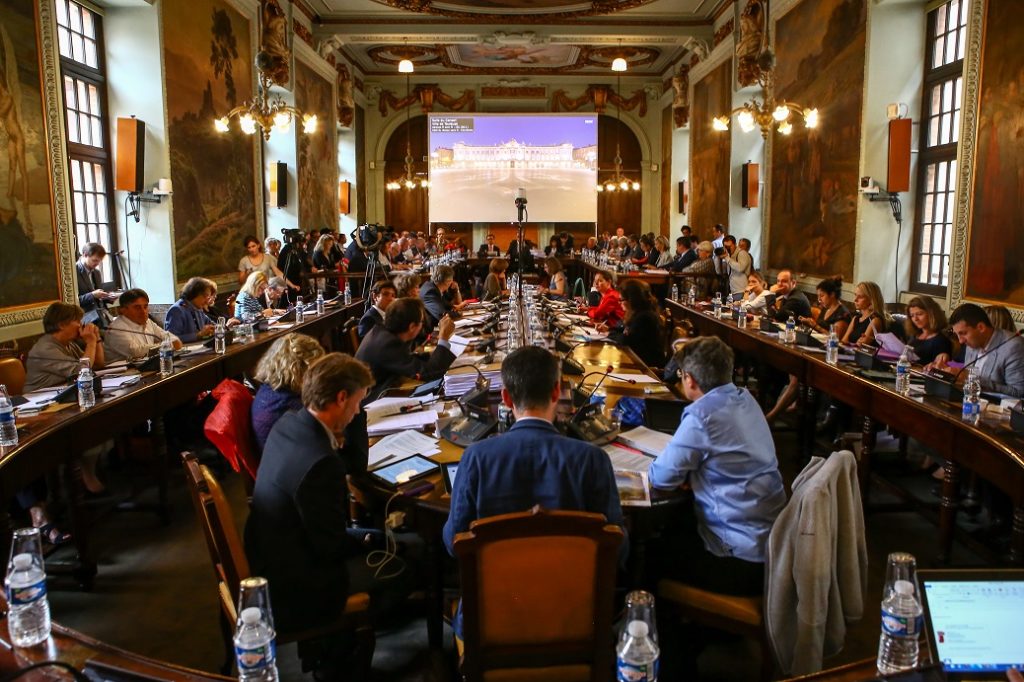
x: 515, y: 154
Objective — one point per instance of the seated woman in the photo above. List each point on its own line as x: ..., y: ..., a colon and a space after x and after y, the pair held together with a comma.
x: 280, y: 372
x: 55, y: 359
x: 255, y: 260
x: 642, y: 329
x: 870, y: 318
x: 248, y: 304
x: 609, y: 310
x: 1000, y: 318
x: 831, y: 314
x: 325, y: 257
x: 557, y: 287
x: 494, y: 284
x: 187, y: 318
x: 665, y: 255
x: 756, y: 293
x: 925, y: 328
x: 554, y: 247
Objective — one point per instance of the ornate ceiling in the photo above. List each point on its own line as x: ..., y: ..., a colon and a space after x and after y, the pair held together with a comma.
x: 515, y: 37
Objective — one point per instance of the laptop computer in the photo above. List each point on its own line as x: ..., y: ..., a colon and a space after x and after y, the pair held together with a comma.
x: 663, y: 415
x: 972, y: 620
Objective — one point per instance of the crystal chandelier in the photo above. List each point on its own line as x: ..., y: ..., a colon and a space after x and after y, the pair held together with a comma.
x: 265, y: 113
x: 408, y: 179
x: 618, y: 182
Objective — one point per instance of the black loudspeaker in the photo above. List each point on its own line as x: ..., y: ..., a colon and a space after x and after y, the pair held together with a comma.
x: 279, y: 184
x: 131, y: 155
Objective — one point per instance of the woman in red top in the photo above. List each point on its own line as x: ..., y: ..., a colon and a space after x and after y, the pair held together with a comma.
x: 609, y: 310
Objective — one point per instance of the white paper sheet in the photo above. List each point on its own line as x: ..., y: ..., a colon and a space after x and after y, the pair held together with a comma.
x: 646, y: 440
x: 625, y: 458
x: 637, y: 378
x: 400, y: 445
x: 400, y: 422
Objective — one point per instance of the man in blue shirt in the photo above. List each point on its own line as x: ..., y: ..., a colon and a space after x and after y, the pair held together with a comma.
x: 532, y: 463
x: 724, y: 451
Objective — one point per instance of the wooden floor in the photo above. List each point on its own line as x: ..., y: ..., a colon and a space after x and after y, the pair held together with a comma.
x: 155, y: 591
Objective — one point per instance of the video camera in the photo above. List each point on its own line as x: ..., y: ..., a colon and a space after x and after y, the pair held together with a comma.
x: 293, y: 235
x: 371, y: 235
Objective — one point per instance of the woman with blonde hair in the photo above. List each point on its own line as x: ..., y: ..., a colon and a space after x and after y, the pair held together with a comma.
x: 1000, y: 318
x: 870, y: 318
x: 281, y: 371
x: 247, y: 304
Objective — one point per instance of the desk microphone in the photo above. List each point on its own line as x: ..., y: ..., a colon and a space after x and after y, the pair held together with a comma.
x: 578, y: 389
x: 983, y: 353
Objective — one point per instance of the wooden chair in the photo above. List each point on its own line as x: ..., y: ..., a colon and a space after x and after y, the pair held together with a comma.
x: 230, y: 567
x: 12, y: 374
x: 537, y: 593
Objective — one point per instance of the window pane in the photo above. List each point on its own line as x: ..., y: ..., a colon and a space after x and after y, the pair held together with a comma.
x: 72, y: 126
x: 97, y: 133
x: 64, y: 40
x: 62, y: 13
x: 87, y: 27
x: 74, y: 12
x: 94, y: 99
x: 77, y: 48
x: 90, y: 54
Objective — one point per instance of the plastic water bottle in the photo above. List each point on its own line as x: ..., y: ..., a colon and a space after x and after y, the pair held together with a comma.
x: 220, y: 336
x: 86, y: 389
x: 319, y: 303
x: 300, y: 316
x: 901, y: 628
x: 8, y: 429
x: 637, y: 659
x: 29, y: 617
x: 791, y: 330
x: 675, y: 293
x: 348, y: 294
x: 832, y: 347
x: 741, y: 321
x: 255, y: 648
x: 972, y: 397
x: 505, y: 417
x: 716, y: 305
x: 903, y: 372
x: 167, y: 356
x: 691, y: 297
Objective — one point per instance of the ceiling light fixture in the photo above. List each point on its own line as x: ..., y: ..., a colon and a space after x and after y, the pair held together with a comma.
x: 264, y: 112
x: 618, y: 182
x: 408, y: 180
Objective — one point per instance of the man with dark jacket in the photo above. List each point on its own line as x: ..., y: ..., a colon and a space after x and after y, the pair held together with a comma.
x: 381, y: 295
x: 435, y: 293
x: 387, y: 349
x: 788, y: 300
x: 91, y: 296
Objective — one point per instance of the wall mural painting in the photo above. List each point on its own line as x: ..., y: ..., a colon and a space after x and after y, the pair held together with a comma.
x: 996, y: 242
x: 814, y: 174
x: 29, y: 272
x: 710, y: 150
x: 317, y: 153
x: 207, y: 60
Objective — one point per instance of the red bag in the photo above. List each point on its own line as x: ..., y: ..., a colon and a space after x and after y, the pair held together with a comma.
x: 229, y: 426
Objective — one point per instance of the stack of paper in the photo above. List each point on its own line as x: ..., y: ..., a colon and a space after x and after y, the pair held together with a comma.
x: 464, y: 380
x: 386, y: 407
x: 400, y: 445
x: 420, y: 419
x: 646, y: 440
x: 630, y: 474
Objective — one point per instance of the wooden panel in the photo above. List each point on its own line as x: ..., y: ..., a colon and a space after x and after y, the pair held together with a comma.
x: 750, y: 185
x: 131, y: 155
x: 898, y: 176
x: 344, y: 191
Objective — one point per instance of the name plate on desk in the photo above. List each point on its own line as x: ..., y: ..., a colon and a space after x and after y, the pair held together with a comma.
x: 868, y: 359
x: 767, y: 324
x: 942, y: 385
x: 1017, y: 417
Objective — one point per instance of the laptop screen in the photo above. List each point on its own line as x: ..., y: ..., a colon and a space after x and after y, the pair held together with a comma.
x: 973, y: 621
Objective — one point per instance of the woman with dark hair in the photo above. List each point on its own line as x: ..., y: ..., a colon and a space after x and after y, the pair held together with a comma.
x: 642, y: 330
x: 925, y: 327
x: 554, y: 247
x: 187, y: 318
x: 609, y: 310
x: 494, y: 285
x: 643, y: 256
x: 832, y: 312
x: 255, y: 260
x: 557, y: 288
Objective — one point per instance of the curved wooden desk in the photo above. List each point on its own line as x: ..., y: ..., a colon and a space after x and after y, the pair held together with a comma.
x: 991, y: 449
x: 50, y: 439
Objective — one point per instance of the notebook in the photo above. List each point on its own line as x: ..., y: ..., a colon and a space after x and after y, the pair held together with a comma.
x: 973, y: 621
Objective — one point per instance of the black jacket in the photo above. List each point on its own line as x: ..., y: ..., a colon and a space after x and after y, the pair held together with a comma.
x: 88, y: 282
x: 795, y: 304
x: 645, y: 336
x: 295, y: 536
x: 370, y: 319
x: 434, y: 301
x: 390, y: 357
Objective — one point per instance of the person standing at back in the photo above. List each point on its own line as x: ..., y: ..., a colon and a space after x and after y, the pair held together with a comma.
x: 91, y: 296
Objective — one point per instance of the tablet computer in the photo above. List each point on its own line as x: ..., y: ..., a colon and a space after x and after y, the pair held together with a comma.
x: 404, y: 470
x: 448, y: 471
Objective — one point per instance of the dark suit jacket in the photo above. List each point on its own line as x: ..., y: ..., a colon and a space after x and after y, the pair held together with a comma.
x: 645, y: 336
x: 687, y: 259
x: 295, y: 536
x: 795, y: 304
x: 370, y: 319
x: 389, y: 357
x: 88, y: 282
x: 485, y: 252
x: 434, y: 301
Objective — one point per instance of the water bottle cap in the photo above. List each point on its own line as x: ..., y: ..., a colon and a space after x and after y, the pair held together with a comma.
x: 637, y: 628
x: 903, y: 587
x: 251, y: 615
x: 22, y: 562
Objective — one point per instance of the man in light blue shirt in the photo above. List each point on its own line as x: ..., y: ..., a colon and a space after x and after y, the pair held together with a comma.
x: 724, y: 451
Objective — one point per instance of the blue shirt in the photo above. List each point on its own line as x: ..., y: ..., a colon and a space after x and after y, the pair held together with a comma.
x: 185, y: 321
x: 724, y: 447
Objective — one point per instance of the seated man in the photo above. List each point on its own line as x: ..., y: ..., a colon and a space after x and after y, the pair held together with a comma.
x: 295, y: 536
x: 724, y: 451
x: 387, y: 349
x: 489, y: 249
x: 997, y: 355
x: 381, y: 295
x: 788, y: 301
x: 132, y: 335
x: 532, y: 463
x: 435, y: 296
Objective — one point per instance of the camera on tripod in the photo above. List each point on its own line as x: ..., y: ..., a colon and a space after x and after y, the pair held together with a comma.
x: 371, y: 235
x: 293, y: 235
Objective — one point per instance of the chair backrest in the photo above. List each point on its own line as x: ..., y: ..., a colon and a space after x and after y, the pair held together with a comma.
x: 537, y: 592
x: 230, y: 566
x: 12, y: 374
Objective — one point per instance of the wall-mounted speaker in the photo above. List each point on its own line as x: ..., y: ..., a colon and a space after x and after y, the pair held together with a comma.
x: 898, y: 176
x: 131, y: 155
x: 278, y: 185
x: 749, y: 186
x: 682, y: 197
x: 344, y: 196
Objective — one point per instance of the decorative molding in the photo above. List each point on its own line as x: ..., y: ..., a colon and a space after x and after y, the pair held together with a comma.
x: 750, y: 43
x: 596, y: 7
x: 681, y: 98
x: 524, y: 38
x: 304, y: 33
x: 634, y: 56
x: 722, y: 33
x: 699, y: 48
x: 305, y: 9
x: 533, y: 19
x: 392, y: 54
x: 513, y: 92
x: 426, y: 94
x: 600, y: 96
x: 346, y: 99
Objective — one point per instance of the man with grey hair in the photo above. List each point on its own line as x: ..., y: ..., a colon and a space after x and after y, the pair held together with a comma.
x: 440, y: 294
x: 724, y: 451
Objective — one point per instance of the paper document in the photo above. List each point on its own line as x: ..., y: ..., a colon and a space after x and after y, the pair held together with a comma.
x: 118, y: 367
x: 466, y: 361
x: 646, y: 440
x: 636, y: 378
x: 625, y: 458
x: 401, y: 422
x: 385, y: 407
x: 400, y: 445
x: 464, y: 322
x: 634, y: 488
x: 111, y: 383
x: 892, y: 346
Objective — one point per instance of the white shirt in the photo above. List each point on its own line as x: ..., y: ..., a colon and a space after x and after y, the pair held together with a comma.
x: 126, y: 340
